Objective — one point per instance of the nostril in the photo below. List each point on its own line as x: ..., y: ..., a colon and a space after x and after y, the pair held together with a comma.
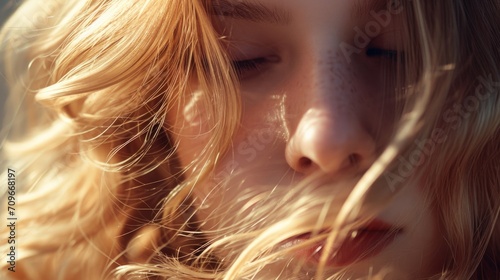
x: 305, y: 162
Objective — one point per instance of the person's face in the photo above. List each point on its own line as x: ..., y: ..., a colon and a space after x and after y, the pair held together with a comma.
x: 313, y: 95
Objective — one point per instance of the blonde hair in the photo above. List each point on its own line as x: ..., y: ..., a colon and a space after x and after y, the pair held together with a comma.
x: 104, y: 195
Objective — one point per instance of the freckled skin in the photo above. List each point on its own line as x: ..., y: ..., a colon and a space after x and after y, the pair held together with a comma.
x: 322, y: 114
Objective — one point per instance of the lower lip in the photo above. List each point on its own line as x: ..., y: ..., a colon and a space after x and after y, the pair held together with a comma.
x: 366, y: 244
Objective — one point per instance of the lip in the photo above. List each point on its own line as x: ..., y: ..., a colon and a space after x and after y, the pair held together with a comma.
x: 362, y: 243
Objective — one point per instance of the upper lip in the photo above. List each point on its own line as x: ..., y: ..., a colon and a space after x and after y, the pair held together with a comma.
x: 359, y: 242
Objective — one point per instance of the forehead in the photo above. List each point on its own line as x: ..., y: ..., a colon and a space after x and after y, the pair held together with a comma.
x: 283, y: 11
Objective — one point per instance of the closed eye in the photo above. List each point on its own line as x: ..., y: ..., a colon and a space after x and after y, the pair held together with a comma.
x: 248, y: 64
x: 249, y: 67
x: 378, y: 52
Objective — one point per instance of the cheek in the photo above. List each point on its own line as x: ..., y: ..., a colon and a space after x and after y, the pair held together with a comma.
x: 189, y: 128
x: 254, y: 162
x: 378, y: 102
x: 422, y: 243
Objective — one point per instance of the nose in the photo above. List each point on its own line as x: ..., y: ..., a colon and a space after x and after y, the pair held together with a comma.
x: 330, y: 136
x: 332, y: 145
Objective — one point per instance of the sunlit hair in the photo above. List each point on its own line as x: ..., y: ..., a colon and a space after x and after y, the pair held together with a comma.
x: 103, y: 194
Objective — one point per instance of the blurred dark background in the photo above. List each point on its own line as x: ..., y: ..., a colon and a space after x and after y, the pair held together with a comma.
x: 6, y: 8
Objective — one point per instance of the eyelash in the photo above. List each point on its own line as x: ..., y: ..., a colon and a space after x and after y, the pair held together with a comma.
x: 242, y: 66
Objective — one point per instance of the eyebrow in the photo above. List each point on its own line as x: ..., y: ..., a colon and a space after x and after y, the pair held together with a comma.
x: 251, y: 11
x: 258, y: 12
